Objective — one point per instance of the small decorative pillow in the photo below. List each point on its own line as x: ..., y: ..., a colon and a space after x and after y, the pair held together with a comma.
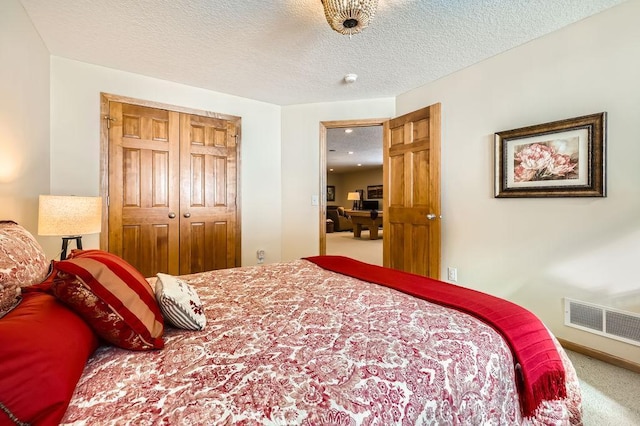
x: 179, y: 303
x: 22, y: 260
x: 112, y: 297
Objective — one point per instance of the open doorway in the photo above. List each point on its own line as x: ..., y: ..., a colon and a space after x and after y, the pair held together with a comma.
x: 351, y: 164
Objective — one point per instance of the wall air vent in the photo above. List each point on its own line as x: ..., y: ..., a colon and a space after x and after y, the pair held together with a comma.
x: 602, y: 320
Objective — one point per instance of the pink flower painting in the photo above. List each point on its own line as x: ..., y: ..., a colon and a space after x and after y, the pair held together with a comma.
x: 550, y: 160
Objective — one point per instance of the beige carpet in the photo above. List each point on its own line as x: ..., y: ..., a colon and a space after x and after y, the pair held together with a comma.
x: 363, y: 249
x: 610, y: 394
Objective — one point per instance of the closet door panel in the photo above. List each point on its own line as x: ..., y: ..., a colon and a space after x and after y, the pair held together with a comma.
x: 172, y: 196
x: 144, y: 187
x: 208, y: 230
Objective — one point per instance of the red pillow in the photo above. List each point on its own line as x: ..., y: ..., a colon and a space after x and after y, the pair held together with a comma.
x: 112, y: 297
x: 44, y: 348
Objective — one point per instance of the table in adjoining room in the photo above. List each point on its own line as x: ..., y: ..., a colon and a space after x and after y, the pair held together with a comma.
x: 363, y: 218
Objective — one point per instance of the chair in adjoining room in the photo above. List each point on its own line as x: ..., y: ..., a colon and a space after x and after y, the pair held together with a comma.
x: 341, y: 221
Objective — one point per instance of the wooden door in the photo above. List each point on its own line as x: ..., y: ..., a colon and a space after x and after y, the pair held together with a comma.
x: 143, y: 191
x: 209, y: 237
x: 412, y: 192
x: 171, y: 185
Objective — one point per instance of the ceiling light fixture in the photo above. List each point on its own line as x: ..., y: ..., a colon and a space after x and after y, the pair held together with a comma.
x: 350, y: 78
x: 348, y: 130
x: 349, y: 17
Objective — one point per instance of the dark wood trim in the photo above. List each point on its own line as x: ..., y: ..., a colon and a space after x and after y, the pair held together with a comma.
x: 602, y: 356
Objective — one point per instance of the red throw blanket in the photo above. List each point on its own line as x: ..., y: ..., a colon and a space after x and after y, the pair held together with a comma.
x: 542, y: 375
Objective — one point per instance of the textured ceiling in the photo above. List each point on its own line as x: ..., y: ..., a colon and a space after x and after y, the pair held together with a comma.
x: 284, y: 52
x: 364, y: 144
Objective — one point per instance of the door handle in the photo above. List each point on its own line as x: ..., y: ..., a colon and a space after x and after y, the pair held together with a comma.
x: 431, y: 216
x: 187, y: 215
x: 172, y: 215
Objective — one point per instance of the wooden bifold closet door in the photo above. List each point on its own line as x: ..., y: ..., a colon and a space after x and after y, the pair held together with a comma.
x: 172, y: 189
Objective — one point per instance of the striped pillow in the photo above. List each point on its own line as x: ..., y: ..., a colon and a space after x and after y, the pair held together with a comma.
x: 179, y: 303
x: 112, y: 297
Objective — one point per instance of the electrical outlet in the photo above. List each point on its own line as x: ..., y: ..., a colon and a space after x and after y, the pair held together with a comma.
x: 452, y: 274
x: 260, y: 255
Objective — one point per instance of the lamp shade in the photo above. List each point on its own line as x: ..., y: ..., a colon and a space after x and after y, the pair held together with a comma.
x: 353, y: 196
x: 69, y: 215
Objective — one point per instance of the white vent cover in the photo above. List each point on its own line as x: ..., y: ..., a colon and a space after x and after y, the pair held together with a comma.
x: 602, y: 320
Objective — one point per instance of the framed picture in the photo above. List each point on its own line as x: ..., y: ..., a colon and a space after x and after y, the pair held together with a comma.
x: 560, y: 159
x: 374, y: 192
x: 331, y: 193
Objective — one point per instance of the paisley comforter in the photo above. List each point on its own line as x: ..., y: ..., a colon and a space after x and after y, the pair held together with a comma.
x: 293, y: 343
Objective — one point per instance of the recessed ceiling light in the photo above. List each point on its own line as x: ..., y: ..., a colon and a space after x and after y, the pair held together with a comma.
x: 348, y: 130
x: 350, y: 152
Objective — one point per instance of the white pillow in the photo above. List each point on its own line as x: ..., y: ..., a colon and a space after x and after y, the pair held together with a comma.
x: 179, y: 303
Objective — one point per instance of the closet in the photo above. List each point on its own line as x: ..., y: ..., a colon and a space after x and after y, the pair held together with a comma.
x: 170, y: 178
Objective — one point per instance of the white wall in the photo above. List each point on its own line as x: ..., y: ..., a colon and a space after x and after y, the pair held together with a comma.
x: 24, y: 117
x: 301, y: 166
x: 75, y: 142
x: 537, y: 251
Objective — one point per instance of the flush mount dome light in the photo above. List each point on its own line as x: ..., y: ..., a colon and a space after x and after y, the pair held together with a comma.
x: 349, y: 17
x: 350, y: 78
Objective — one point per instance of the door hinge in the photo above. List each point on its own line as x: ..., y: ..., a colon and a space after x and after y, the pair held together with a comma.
x: 109, y: 120
x: 108, y: 200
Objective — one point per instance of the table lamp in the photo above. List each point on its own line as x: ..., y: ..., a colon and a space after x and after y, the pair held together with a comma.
x: 69, y: 217
x: 355, y: 197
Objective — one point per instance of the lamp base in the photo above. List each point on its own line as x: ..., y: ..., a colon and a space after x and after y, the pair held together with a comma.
x: 65, y: 245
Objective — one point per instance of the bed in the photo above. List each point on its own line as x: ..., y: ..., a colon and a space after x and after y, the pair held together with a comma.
x: 304, y: 342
